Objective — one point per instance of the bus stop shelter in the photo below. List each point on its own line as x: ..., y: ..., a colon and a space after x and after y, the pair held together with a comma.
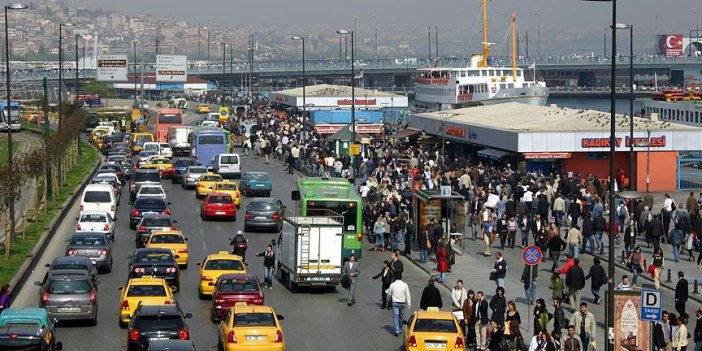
x: 444, y: 205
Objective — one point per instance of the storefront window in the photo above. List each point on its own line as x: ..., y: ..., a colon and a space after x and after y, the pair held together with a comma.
x: 597, y: 155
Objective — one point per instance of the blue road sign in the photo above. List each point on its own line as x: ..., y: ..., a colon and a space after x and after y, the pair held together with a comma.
x: 532, y: 255
x: 651, y: 305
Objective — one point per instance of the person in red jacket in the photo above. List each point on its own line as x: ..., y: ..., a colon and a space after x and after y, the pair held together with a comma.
x: 442, y: 264
x: 570, y: 262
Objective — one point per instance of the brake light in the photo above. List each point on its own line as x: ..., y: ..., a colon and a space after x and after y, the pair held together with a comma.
x: 183, y: 334
x: 93, y: 297
x: 231, y: 337
x: 247, y: 216
x: 134, y: 185
x: 135, y: 213
x: 139, y: 270
x: 125, y: 305
x: 142, y: 228
x: 412, y: 341
x: 106, y: 227
x: 278, y: 336
x: 183, y: 251
x: 167, y: 212
x: 206, y: 278
x: 459, y: 343
x: 168, y: 302
x: 72, y: 252
x: 112, y: 208
x: 134, y: 335
x: 102, y: 252
x: 275, y: 216
x: 45, y: 297
x: 360, y: 236
x: 81, y: 207
x: 170, y: 270
x: 173, y: 228
x: 78, y: 226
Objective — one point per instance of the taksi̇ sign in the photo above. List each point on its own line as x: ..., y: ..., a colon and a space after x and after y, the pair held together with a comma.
x: 593, y: 143
x: 171, y: 68
x: 112, y: 68
x: 651, y: 305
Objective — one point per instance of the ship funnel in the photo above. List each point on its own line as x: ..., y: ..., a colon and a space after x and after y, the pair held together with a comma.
x: 475, y: 60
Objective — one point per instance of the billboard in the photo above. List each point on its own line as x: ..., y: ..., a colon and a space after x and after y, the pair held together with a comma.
x: 630, y: 332
x: 670, y: 44
x: 171, y: 68
x: 112, y: 68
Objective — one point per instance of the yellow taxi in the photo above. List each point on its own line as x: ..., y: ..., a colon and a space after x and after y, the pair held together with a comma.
x: 433, y: 330
x: 231, y: 188
x: 251, y: 328
x: 98, y: 132
x: 164, y: 164
x: 203, y: 108
x: 146, y: 289
x: 100, y: 141
x: 205, y: 183
x: 137, y: 140
x: 214, y: 266
x: 173, y: 240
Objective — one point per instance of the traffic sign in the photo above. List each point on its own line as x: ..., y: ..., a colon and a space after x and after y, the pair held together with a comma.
x: 112, y: 68
x: 651, y: 305
x: 532, y: 255
x: 355, y: 149
x: 171, y: 68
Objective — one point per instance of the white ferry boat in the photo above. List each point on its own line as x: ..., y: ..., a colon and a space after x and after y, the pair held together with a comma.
x: 675, y: 105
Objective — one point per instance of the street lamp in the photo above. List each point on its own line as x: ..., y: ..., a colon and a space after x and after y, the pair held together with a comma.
x: 224, y: 57
x: 60, y: 81
x: 609, y: 330
x: 304, y: 77
x: 353, y: 99
x: 632, y: 169
x: 136, y: 102
x: 13, y: 233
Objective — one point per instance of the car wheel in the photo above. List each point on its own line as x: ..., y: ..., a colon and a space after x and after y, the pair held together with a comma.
x: 268, y: 194
x: 213, y: 318
x: 93, y: 322
x: 121, y: 324
x: 234, y: 218
x: 200, y: 295
x: 185, y: 266
x: 108, y: 269
x: 132, y: 226
x: 246, y: 228
x: 173, y: 180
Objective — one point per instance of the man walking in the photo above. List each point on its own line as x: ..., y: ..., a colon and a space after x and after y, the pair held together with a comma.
x: 351, y: 269
x: 575, y: 281
x: 400, y: 296
x: 431, y: 297
x: 662, y: 333
x: 500, y: 270
x: 574, y: 239
x: 268, y: 263
x: 571, y: 342
x: 396, y: 265
x: 697, y: 334
x: 598, y: 278
x: 480, y: 314
x: 681, y: 295
x: 584, y: 323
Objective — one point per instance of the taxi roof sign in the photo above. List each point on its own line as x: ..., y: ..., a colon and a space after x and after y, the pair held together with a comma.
x: 223, y: 252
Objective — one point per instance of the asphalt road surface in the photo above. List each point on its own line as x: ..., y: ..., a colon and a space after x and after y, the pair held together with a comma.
x: 314, y: 320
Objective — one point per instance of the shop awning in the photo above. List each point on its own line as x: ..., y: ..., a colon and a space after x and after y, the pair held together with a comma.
x: 493, y: 154
x: 405, y: 133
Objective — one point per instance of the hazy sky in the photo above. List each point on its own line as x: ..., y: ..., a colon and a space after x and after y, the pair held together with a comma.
x: 673, y: 15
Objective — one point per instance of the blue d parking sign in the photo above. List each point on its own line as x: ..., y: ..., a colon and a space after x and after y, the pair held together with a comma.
x: 532, y: 255
x: 651, y: 305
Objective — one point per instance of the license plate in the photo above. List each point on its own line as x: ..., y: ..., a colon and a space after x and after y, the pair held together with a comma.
x: 259, y: 217
x: 93, y: 262
x: 152, y: 339
x: 259, y: 185
x: 220, y: 213
x: 435, y: 345
x: 69, y: 309
x: 255, y: 338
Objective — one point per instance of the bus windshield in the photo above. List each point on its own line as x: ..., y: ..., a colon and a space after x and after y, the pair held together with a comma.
x: 210, y: 139
x: 170, y: 119
x: 14, y: 113
x: 346, y: 208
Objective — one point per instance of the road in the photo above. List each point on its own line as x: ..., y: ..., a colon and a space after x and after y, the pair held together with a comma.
x: 314, y: 320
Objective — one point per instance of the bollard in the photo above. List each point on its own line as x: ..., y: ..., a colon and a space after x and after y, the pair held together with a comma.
x: 669, y: 279
x: 695, y: 291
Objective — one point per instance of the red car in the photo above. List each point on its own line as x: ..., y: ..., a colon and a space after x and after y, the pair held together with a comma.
x: 233, y: 288
x: 218, y: 205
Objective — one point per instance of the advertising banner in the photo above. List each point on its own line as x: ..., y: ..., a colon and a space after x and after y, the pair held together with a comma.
x: 428, y: 210
x: 112, y: 68
x: 630, y: 332
x: 171, y: 68
x: 670, y: 44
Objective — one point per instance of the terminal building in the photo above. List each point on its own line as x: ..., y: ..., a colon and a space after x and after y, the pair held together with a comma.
x: 550, y: 138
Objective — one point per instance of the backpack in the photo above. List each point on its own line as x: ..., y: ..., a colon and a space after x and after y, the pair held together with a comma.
x: 622, y: 211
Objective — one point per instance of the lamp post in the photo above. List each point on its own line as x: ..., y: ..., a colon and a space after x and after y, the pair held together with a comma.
x: 136, y: 102
x: 224, y: 57
x: 60, y: 81
x: 353, y: 99
x: 304, y: 77
x: 632, y: 168
x: 609, y: 330
x: 13, y: 233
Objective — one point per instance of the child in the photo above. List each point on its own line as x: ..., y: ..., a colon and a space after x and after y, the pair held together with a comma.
x: 511, y: 231
x: 557, y: 285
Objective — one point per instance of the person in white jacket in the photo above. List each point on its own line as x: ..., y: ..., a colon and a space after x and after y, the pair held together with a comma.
x: 458, y: 296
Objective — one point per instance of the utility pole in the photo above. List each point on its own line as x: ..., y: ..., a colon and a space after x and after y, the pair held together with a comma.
x: 429, y: 33
x: 436, y: 32
x: 375, y: 20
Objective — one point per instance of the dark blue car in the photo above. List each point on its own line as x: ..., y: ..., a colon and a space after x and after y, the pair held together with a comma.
x: 255, y: 183
x: 181, y: 166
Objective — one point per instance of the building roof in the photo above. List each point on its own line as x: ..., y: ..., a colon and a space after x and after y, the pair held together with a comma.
x: 328, y: 90
x: 518, y: 117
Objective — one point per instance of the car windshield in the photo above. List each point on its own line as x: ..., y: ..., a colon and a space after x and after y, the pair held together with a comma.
x: 63, y: 287
x: 59, y: 267
x: 82, y: 240
x: 254, y: 320
x: 150, y: 190
x: 184, y: 163
x: 160, y: 322
x: 210, y: 139
x: 97, y: 196
x: 147, y: 177
x: 228, y: 160
x: 156, y: 222
x: 160, y: 161
x: 260, y: 177
x: 154, y: 257
x: 144, y: 154
x: 149, y: 148
x: 260, y: 206
x: 210, y: 178
x: 222, y: 265
x: 238, y: 285
x: 226, y: 186
x: 93, y: 218
x: 150, y: 203
x: 435, y: 325
x: 167, y: 239
x: 197, y: 169
x: 146, y: 290
x: 220, y: 199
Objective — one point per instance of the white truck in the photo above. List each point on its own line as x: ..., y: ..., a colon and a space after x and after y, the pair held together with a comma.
x: 308, y: 251
x: 178, y: 138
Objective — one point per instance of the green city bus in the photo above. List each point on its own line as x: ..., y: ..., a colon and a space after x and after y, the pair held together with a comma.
x: 320, y: 196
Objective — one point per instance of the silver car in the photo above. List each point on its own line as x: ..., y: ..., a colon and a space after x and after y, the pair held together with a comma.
x: 69, y: 295
x: 96, y: 246
x: 264, y: 213
x: 191, y: 176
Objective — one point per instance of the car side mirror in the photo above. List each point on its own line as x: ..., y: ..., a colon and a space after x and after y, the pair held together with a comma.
x: 168, y: 203
x: 97, y: 283
x: 129, y: 257
x: 198, y: 264
x: 186, y: 239
x: 59, y: 346
x: 37, y: 283
x: 176, y: 256
x: 295, y: 195
x: 175, y: 220
x: 280, y: 317
x: 210, y: 284
x: 404, y: 322
x: 188, y: 315
x: 77, y: 218
x: 48, y: 265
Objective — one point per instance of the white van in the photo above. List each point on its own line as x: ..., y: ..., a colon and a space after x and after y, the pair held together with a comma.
x: 152, y: 146
x: 99, y: 197
x: 227, y: 165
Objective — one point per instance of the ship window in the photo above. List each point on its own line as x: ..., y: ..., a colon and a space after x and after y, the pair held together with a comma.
x: 483, y: 73
x: 463, y: 73
x: 519, y: 73
x: 503, y: 86
x: 510, y: 85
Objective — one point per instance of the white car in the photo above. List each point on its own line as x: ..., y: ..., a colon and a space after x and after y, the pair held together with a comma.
x: 149, y: 190
x: 152, y: 146
x: 210, y: 124
x: 96, y: 222
x: 115, y: 159
x: 166, y: 150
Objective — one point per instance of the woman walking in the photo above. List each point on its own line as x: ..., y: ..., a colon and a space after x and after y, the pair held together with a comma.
x: 658, y: 264
x: 513, y: 321
x: 468, y: 318
x: 635, y: 263
x: 496, y: 336
x: 442, y: 264
x: 498, y: 306
x: 679, y: 334
x: 379, y: 232
x: 385, y: 276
